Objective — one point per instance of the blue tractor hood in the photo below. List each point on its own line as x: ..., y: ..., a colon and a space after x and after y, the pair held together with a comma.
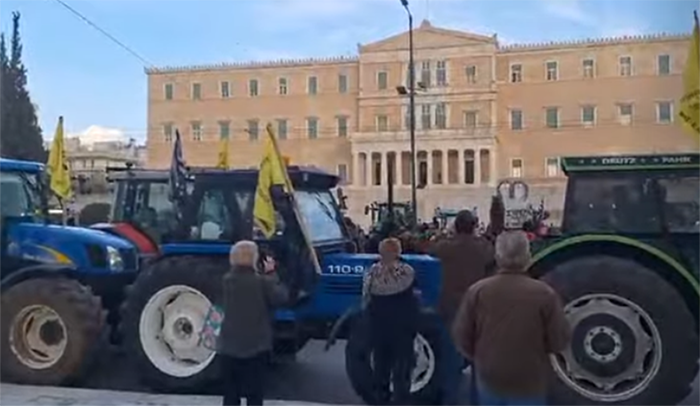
x: 79, y: 247
x: 73, y: 234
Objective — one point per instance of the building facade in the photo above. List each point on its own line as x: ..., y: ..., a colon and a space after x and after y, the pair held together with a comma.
x: 89, y: 162
x: 484, y: 112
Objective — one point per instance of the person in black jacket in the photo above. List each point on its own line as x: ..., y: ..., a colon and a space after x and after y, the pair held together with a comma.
x: 392, y: 308
x: 245, y: 342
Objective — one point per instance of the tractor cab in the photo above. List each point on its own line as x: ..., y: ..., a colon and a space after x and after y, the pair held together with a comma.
x: 379, y: 212
x: 637, y: 195
x: 443, y: 218
x: 218, y: 210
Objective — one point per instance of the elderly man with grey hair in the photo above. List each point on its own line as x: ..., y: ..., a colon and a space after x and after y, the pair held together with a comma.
x: 245, y: 342
x: 508, y: 325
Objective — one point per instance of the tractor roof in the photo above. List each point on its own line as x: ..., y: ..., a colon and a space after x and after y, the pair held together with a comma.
x: 14, y: 165
x: 656, y: 162
x: 310, y: 175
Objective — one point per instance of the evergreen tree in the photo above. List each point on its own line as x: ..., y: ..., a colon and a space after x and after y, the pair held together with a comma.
x: 5, y: 95
x: 20, y: 133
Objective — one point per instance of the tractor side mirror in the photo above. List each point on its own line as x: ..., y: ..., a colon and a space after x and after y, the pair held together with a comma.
x: 366, y: 210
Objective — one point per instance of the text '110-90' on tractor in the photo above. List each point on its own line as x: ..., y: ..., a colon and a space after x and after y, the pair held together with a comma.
x: 61, y: 286
x: 188, y: 244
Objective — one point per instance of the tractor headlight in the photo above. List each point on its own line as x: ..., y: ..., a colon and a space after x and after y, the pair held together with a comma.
x: 114, y: 259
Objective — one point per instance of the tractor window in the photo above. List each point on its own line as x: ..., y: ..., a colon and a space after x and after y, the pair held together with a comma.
x: 623, y: 204
x: 213, y: 219
x: 681, y: 203
x: 118, y: 201
x: 322, y: 219
x: 153, y: 210
x: 15, y: 196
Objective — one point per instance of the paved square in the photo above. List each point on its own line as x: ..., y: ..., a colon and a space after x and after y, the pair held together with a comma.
x: 20, y: 395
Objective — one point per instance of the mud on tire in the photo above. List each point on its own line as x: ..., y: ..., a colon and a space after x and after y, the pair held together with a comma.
x: 358, y: 362
x: 204, y: 274
x: 616, y: 283
x: 78, y: 310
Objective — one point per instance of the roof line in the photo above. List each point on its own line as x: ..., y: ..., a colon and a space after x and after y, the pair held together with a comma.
x: 332, y: 60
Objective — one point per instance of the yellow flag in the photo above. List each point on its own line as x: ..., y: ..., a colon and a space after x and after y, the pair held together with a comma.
x: 689, y: 111
x: 58, y: 166
x: 222, y: 162
x: 273, y: 171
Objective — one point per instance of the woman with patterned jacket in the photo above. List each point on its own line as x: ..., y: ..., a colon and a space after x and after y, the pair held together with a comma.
x: 392, y: 309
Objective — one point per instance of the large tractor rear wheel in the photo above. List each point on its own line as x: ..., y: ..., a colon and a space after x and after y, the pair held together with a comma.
x: 634, y: 341
x: 51, y: 331
x: 162, y: 317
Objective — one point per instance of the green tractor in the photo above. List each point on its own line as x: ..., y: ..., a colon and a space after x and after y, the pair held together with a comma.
x: 626, y: 266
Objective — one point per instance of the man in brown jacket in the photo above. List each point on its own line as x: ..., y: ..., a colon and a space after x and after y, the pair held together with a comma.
x: 465, y: 258
x: 508, y: 325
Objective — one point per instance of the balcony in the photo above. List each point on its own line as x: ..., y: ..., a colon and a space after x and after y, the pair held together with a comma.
x: 483, y: 133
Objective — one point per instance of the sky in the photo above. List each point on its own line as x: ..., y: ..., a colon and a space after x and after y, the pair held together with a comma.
x: 76, y: 71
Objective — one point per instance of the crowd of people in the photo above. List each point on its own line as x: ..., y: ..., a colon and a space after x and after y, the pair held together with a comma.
x: 492, y: 315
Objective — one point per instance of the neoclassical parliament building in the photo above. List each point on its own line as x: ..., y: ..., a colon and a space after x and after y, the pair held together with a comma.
x: 484, y: 112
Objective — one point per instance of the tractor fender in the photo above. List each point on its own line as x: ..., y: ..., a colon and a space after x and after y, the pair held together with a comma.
x: 588, y: 240
x: 342, y: 320
x: 35, y: 271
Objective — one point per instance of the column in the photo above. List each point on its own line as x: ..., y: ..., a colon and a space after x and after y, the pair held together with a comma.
x: 383, y: 160
x: 460, y: 166
x: 356, y: 170
x: 477, y: 166
x: 445, y: 167
x: 429, y: 155
x: 398, y: 168
x: 368, y: 169
x: 494, y: 167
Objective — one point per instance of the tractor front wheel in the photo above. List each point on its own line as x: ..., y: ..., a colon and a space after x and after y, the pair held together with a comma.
x: 634, y: 341
x: 51, y: 330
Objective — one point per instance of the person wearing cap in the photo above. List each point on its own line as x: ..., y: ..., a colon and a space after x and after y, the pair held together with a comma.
x: 465, y: 258
x: 392, y: 309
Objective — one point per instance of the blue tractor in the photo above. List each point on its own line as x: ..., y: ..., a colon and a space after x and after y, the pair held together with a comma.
x: 166, y: 307
x: 58, y: 283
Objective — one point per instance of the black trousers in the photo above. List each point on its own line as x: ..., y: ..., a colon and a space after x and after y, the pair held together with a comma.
x: 245, y: 378
x: 393, y: 364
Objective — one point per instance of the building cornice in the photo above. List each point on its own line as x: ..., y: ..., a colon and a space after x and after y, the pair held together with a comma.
x: 279, y: 63
x: 592, y: 42
x: 341, y: 60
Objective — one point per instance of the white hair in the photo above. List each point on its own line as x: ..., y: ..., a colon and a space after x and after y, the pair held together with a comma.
x: 244, y: 253
x: 513, y: 250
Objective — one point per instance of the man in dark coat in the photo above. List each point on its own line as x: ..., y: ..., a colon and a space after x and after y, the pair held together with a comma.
x: 246, y: 335
x: 465, y: 258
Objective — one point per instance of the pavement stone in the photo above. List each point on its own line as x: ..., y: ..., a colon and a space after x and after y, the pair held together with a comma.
x: 25, y: 395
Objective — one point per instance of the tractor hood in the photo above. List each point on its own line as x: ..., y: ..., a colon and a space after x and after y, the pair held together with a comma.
x: 89, y: 250
x: 77, y: 235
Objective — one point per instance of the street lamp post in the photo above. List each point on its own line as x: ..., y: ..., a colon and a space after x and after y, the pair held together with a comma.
x: 412, y: 112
